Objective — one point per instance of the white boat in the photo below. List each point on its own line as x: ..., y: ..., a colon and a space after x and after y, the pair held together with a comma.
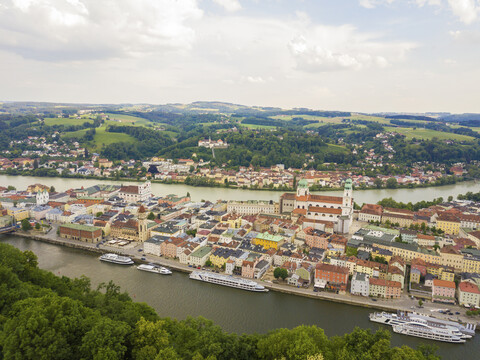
x: 116, y: 259
x: 227, y: 280
x: 425, y: 331
x: 154, y: 268
x: 467, y: 330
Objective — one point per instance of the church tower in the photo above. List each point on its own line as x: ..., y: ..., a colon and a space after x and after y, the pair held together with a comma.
x: 142, y: 224
x: 347, y: 203
x: 302, y: 188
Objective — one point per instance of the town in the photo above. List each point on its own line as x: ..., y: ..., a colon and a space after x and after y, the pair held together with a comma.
x: 306, y: 241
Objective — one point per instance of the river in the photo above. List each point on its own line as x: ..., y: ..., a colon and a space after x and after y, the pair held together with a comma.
x: 234, y: 310
x: 213, y: 194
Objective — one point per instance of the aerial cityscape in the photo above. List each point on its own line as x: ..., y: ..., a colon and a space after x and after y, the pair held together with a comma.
x: 236, y: 179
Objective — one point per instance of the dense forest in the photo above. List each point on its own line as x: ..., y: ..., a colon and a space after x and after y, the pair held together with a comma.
x: 46, y: 317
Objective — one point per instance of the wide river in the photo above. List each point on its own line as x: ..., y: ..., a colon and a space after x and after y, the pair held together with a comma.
x: 234, y: 310
x: 213, y: 194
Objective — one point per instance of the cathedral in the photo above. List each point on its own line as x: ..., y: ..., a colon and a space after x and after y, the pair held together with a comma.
x: 320, y: 211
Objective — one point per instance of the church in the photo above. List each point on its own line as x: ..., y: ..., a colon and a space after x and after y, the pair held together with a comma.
x: 319, y: 211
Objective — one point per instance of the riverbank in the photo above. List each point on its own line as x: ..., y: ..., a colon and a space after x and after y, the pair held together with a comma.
x: 404, y: 304
x: 225, y: 194
x: 314, y: 188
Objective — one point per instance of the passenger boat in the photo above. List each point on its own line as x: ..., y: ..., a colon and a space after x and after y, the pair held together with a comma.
x: 227, y: 280
x: 425, y: 331
x: 401, y: 317
x: 116, y: 259
x: 154, y: 268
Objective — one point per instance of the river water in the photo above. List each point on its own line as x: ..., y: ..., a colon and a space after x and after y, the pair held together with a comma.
x: 234, y: 310
x: 213, y: 194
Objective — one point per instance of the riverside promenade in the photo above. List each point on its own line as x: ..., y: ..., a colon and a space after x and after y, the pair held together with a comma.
x: 405, y: 303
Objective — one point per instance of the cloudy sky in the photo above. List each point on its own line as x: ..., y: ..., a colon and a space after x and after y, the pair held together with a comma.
x: 357, y: 55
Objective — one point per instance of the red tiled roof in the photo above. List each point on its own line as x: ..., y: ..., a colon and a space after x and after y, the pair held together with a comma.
x: 466, y: 286
x: 444, y: 283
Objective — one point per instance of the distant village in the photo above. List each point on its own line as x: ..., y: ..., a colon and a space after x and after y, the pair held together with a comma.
x: 74, y: 160
x: 319, y: 242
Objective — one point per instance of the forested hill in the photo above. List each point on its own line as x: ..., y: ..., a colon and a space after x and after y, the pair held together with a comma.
x: 46, y: 317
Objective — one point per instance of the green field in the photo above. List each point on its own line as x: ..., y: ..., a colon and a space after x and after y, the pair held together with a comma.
x: 101, y: 138
x: 126, y: 120
x: 254, y: 126
x: 428, y: 134
x: 66, y: 121
x: 337, y: 148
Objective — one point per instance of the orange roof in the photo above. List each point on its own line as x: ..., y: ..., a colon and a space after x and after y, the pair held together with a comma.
x: 300, y: 211
x: 325, y: 210
x: 444, y: 283
x: 326, y: 199
x: 383, y: 282
x: 466, y: 286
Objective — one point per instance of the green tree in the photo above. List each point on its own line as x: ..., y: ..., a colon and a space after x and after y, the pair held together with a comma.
x: 105, y: 340
x: 37, y: 226
x: 52, y: 189
x: 392, y: 183
x: 151, y: 216
x: 378, y: 183
x: 150, y: 339
x: 420, y: 303
x: 26, y: 225
x: 280, y: 273
x: 50, y: 327
x: 98, y: 214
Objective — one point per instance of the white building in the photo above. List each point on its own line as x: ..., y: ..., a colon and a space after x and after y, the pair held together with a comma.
x: 360, y: 284
x: 152, y: 245
x: 42, y: 197
x: 337, y: 210
x: 468, y: 293
x: 200, y: 256
x: 136, y: 193
x: 252, y: 207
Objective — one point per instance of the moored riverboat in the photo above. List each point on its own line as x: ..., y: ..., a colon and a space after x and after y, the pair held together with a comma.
x: 116, y: 259
x: 227, y: 280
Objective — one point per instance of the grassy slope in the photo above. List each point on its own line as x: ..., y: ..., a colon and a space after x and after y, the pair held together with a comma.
x: 66, y: 121
x: 428, y: 134
x: 102, y: 137
x: 127, y: 120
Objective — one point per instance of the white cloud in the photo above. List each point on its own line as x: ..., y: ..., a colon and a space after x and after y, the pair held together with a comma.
x: 256, y: 79
x: 449, y: 61
x: 57, y: 30
x: 229, y: 5
x: 370, y: 4
x: 428, y: 2
x: 466, y: 10
x: 325, y: 48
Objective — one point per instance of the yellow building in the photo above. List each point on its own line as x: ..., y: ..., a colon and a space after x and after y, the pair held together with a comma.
x: 18, y: 213
x: 471, y: 265
x: 447, y: 275
x: 268, y: 241
x: 449, y: 223
x: 451, y: 257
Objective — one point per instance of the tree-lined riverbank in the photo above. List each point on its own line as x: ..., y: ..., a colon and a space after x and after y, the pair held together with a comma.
x: 213, y: 194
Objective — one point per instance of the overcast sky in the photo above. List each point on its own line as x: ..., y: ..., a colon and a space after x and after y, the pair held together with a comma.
x: 356, y: 55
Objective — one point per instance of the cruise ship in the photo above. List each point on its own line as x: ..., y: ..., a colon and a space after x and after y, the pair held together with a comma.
x: 227, y: 280
x: 400, y: 318
x: 116, y: 259
x: 155, y: 269
x: 425, y: 331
